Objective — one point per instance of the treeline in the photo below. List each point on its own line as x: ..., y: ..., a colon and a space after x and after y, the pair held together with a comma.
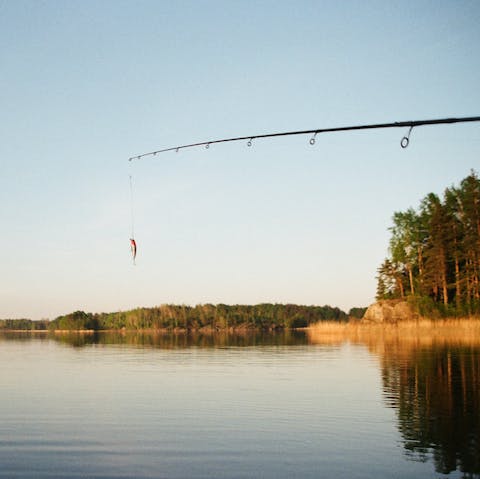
x: 435, y: 253
x: 24, y: 325
x: 221, y: 316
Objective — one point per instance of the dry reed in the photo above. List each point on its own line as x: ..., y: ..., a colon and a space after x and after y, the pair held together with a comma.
x: 422, y: 331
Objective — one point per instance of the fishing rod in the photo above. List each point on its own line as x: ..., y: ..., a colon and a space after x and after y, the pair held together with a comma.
x: 398, y: 124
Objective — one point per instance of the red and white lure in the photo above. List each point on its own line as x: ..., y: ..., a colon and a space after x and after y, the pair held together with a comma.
x: 133, y: 247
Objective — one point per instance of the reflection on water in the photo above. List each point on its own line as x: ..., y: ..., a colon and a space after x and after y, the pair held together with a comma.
x: 432, y: 381
x: 436, y: 393
x: 163, y: 340
x: 276, y: 405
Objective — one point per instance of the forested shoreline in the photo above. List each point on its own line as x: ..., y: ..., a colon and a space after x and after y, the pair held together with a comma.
x: 181, y: 317
x: 434, y: 253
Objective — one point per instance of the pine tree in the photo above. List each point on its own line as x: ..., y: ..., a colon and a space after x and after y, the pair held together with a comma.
x: 436, y: 248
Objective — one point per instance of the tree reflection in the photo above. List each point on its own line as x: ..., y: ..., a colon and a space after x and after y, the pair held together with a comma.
x: 436, y: 393
x: 431, y: 377
x: 172, y: 340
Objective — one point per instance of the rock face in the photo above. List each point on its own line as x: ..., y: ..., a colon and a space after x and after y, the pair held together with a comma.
x: 389, y: 311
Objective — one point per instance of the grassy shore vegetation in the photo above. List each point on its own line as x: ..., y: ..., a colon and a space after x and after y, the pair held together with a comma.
x: 434, y: 259
x: 180, y: 317
x: 416, y: 332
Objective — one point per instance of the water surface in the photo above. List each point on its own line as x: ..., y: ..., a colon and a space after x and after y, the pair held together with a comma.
x: 271, y: 406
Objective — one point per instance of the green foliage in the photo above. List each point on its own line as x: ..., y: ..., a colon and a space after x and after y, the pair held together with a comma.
x: 79, y: 320
x: 357, y: 313
x: 435, y: 253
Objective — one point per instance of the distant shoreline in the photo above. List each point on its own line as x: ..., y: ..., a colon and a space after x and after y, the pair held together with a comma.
x: 471, y: 324
x: 206, y: 317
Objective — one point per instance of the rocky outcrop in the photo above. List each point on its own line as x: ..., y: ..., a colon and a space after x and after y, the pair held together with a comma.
x: 389, y: 311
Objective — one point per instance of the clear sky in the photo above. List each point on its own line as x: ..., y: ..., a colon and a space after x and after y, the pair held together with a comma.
x: 84, y: 85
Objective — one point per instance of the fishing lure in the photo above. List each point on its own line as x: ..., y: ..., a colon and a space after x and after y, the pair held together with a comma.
x: 133, y: 247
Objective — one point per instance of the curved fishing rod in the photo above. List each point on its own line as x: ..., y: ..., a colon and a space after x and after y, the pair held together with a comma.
x: 399, y: 124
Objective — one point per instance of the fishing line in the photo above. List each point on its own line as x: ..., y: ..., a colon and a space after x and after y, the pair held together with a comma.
x: 132, y: 217
x: 400, y: 124
x: 133, y: 243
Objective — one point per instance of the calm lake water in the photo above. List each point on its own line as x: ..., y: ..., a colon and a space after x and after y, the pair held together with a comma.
x: 258, y: 406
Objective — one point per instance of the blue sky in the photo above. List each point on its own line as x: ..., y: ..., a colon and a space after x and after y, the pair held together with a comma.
x: 85, y: 85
